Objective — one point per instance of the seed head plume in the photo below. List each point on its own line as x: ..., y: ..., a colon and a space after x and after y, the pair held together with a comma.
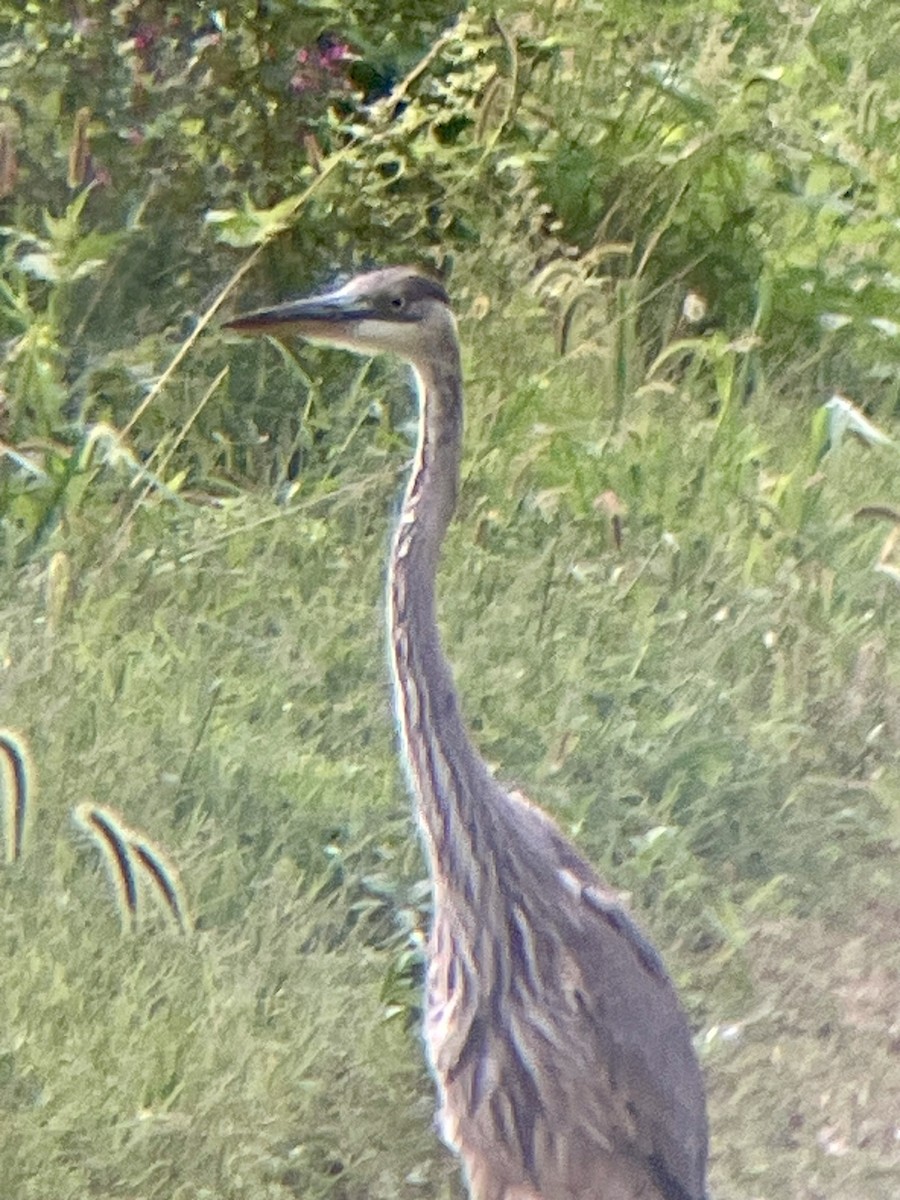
x: 16, y: 777
x: 129, y: 855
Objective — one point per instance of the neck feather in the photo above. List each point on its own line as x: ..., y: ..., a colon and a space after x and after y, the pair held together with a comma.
x: 443, y: 766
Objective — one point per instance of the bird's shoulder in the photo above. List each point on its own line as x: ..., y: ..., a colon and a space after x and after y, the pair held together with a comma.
x: 616, y: 1007
x: 574, y: 888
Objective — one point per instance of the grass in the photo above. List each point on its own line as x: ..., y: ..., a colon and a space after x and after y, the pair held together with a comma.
x: 712, y: 710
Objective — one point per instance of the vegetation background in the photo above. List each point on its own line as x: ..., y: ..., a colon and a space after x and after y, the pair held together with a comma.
x: 672, y: 237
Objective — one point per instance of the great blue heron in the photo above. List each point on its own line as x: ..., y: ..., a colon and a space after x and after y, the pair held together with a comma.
x: 563, y: 1060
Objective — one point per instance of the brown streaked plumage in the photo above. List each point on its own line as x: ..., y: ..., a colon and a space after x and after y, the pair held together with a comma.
x: 563, y: 1060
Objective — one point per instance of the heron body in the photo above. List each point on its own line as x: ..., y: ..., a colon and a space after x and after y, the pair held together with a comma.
x: 564, y: 1063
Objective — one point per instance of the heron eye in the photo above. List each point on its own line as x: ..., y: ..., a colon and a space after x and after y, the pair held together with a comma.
x: 397, y: 302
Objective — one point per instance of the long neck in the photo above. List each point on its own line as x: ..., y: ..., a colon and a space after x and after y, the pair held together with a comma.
x: 444, y: 768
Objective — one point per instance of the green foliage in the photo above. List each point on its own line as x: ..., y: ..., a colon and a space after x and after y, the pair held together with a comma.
x: 666, y: 626
x: 747, y: 158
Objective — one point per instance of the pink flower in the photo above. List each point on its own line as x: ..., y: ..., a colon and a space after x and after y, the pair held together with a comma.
x: 321, y: 65
x: 144, y: 38
x: 335, y: 52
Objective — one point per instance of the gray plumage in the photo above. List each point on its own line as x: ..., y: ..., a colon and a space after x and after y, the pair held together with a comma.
x: 563, y: 1060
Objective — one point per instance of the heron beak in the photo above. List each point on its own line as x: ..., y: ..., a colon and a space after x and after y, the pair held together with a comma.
x: 325, y: 317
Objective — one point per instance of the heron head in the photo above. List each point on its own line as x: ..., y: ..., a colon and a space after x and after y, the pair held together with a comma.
x: 398, y: 310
